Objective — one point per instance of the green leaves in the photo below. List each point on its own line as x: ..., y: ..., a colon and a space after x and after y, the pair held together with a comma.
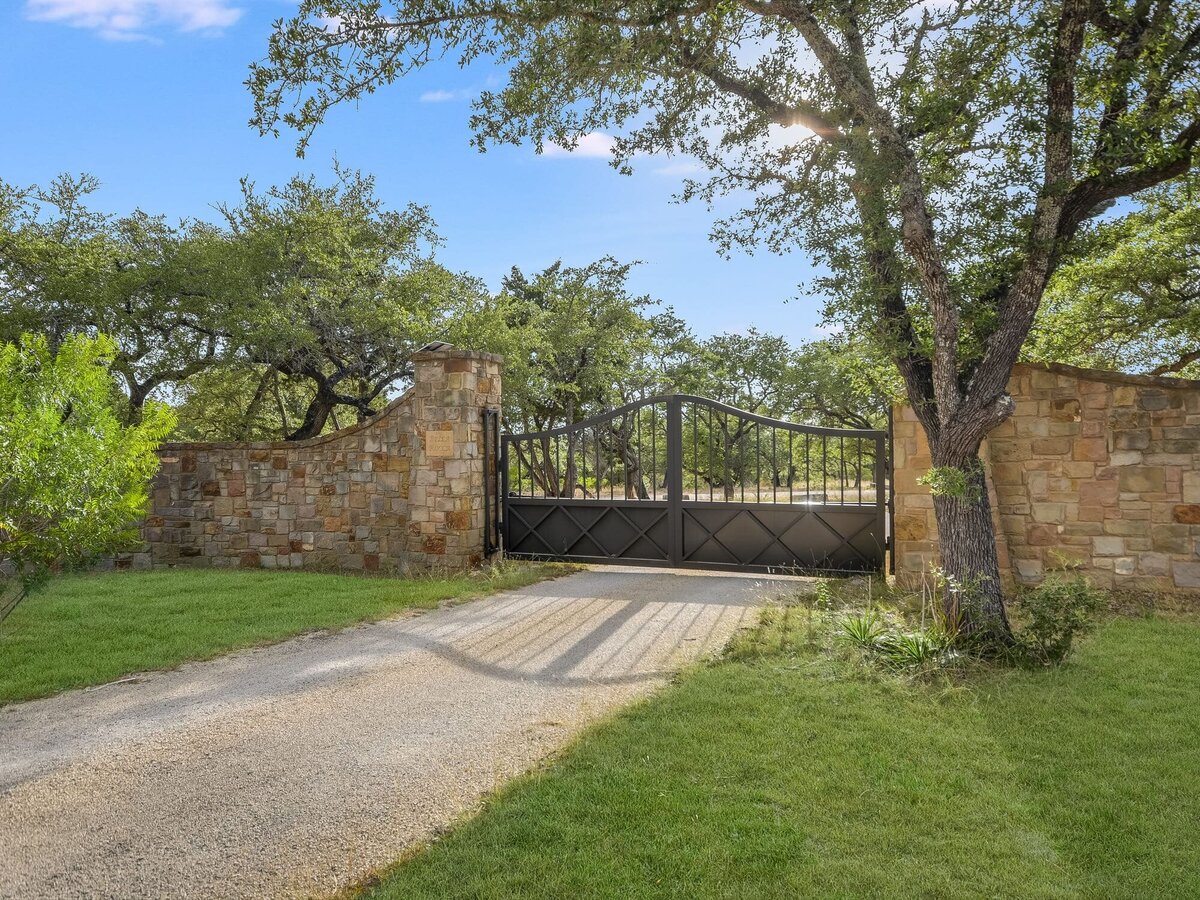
x: 73, y: 479
x: 576, y: 340
x: 1055, y: 614
x: 309, y: 298
x: 1130, y: 298
x: 337, y: 290
x: 952, y: 481
x: 154, y: 288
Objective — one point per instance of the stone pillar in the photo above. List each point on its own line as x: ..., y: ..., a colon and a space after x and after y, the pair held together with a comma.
x: 445, y: 493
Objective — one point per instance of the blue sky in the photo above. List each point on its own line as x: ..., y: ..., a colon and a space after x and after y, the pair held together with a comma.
x: 147, y: 95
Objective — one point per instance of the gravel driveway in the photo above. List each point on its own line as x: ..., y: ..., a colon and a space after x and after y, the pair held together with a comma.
x: 295, y: 769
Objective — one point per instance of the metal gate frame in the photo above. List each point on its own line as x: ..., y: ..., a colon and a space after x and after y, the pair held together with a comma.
x: 676, y: 545
x: 494, y: 487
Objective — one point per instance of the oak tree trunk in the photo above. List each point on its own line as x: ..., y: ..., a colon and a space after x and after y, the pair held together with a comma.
x: 974, y: 602
x: 315, y: 417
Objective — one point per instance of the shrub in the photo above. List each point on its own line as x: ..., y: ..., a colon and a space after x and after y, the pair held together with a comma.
x: 73, y: 479
x: 1054, y: 614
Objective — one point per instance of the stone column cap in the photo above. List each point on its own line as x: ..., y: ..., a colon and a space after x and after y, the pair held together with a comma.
x: 455, y: 353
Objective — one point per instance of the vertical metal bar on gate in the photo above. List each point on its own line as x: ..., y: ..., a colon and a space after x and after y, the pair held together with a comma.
x: 891, y: 492
x: 487, y: 483
x: 502, y: 505
x: 491, y: 472
x: 881, y: 458
x: 674, y: 476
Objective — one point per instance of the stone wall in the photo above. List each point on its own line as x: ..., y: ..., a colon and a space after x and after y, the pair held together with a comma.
x: 1095, y: 469
x: 402, y: 491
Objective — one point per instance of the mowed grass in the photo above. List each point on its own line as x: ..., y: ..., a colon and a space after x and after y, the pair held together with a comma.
x: 787, y: 775
x: 89, y: 629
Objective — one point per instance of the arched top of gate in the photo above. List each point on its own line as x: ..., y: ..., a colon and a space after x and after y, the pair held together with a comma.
x: 660, y: 399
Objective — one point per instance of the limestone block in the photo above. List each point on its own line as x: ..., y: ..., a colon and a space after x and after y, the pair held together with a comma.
x: 1186, y: 574
x: 1029, y: 570
x: 1191, y: 486
x: 1126, y: 458
x: 1042, y: 535
x: 1156, y: 399
x: 1144, y: 480
x: 1124, y: 565
x: 1057, y: 446
x: 1098, y: 493
x: 1127, y: 528
x: 1053, y: 513
x: 1170, y: 538
x: 1132, y: 440
x: 1154, y: 564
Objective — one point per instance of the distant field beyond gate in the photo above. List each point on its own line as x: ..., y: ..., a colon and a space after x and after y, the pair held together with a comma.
x: 686, y: 481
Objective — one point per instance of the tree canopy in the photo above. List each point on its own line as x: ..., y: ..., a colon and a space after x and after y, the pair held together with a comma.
x: 298, y: 311
x: 1130, y: 298
x: 303, y: 299
x: 577, y: 337
x: 335, y: 290
x: 152, y: 287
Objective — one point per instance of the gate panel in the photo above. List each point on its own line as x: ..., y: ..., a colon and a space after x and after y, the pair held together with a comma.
x: 686, y: 481
x: 723, y: 535
x: 586, y: 531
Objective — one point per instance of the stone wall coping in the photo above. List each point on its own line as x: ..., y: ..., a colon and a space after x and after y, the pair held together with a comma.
x: 1103, y: 376
x: 454, y: 353
x: 1108, y: 376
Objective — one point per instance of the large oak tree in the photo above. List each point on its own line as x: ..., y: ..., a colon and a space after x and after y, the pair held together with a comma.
x: 937, y: 158
x: 157, y: 289
x: 336, y: 290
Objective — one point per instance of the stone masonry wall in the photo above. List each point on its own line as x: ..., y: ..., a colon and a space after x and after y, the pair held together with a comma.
x: 402, y: 491
x: 1095, y: 469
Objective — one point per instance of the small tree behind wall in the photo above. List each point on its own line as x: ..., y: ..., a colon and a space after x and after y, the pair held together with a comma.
x: 73, y: 478
x: 937, y: 159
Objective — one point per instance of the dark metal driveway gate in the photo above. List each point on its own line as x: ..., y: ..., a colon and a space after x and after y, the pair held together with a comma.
x: 685, y: 481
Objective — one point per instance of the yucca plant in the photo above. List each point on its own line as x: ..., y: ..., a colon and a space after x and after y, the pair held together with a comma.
x: 914, y: 649
x: 864, y: 631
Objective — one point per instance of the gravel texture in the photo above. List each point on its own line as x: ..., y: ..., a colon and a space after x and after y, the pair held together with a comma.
x: 294, y: 770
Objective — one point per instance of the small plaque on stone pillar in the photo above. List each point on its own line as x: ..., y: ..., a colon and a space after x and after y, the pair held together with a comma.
x: 439, y: 443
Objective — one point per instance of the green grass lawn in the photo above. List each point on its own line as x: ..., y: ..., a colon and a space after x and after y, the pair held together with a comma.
x: 89, y: 629
x: 788, y: 775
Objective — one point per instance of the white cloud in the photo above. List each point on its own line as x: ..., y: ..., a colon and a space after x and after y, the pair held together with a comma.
x: 828, y: 329
x: 680, y: 169
x: 331, y: 24
x: 132, y: 19
x: 594, y: 143
x: 438, y: 96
